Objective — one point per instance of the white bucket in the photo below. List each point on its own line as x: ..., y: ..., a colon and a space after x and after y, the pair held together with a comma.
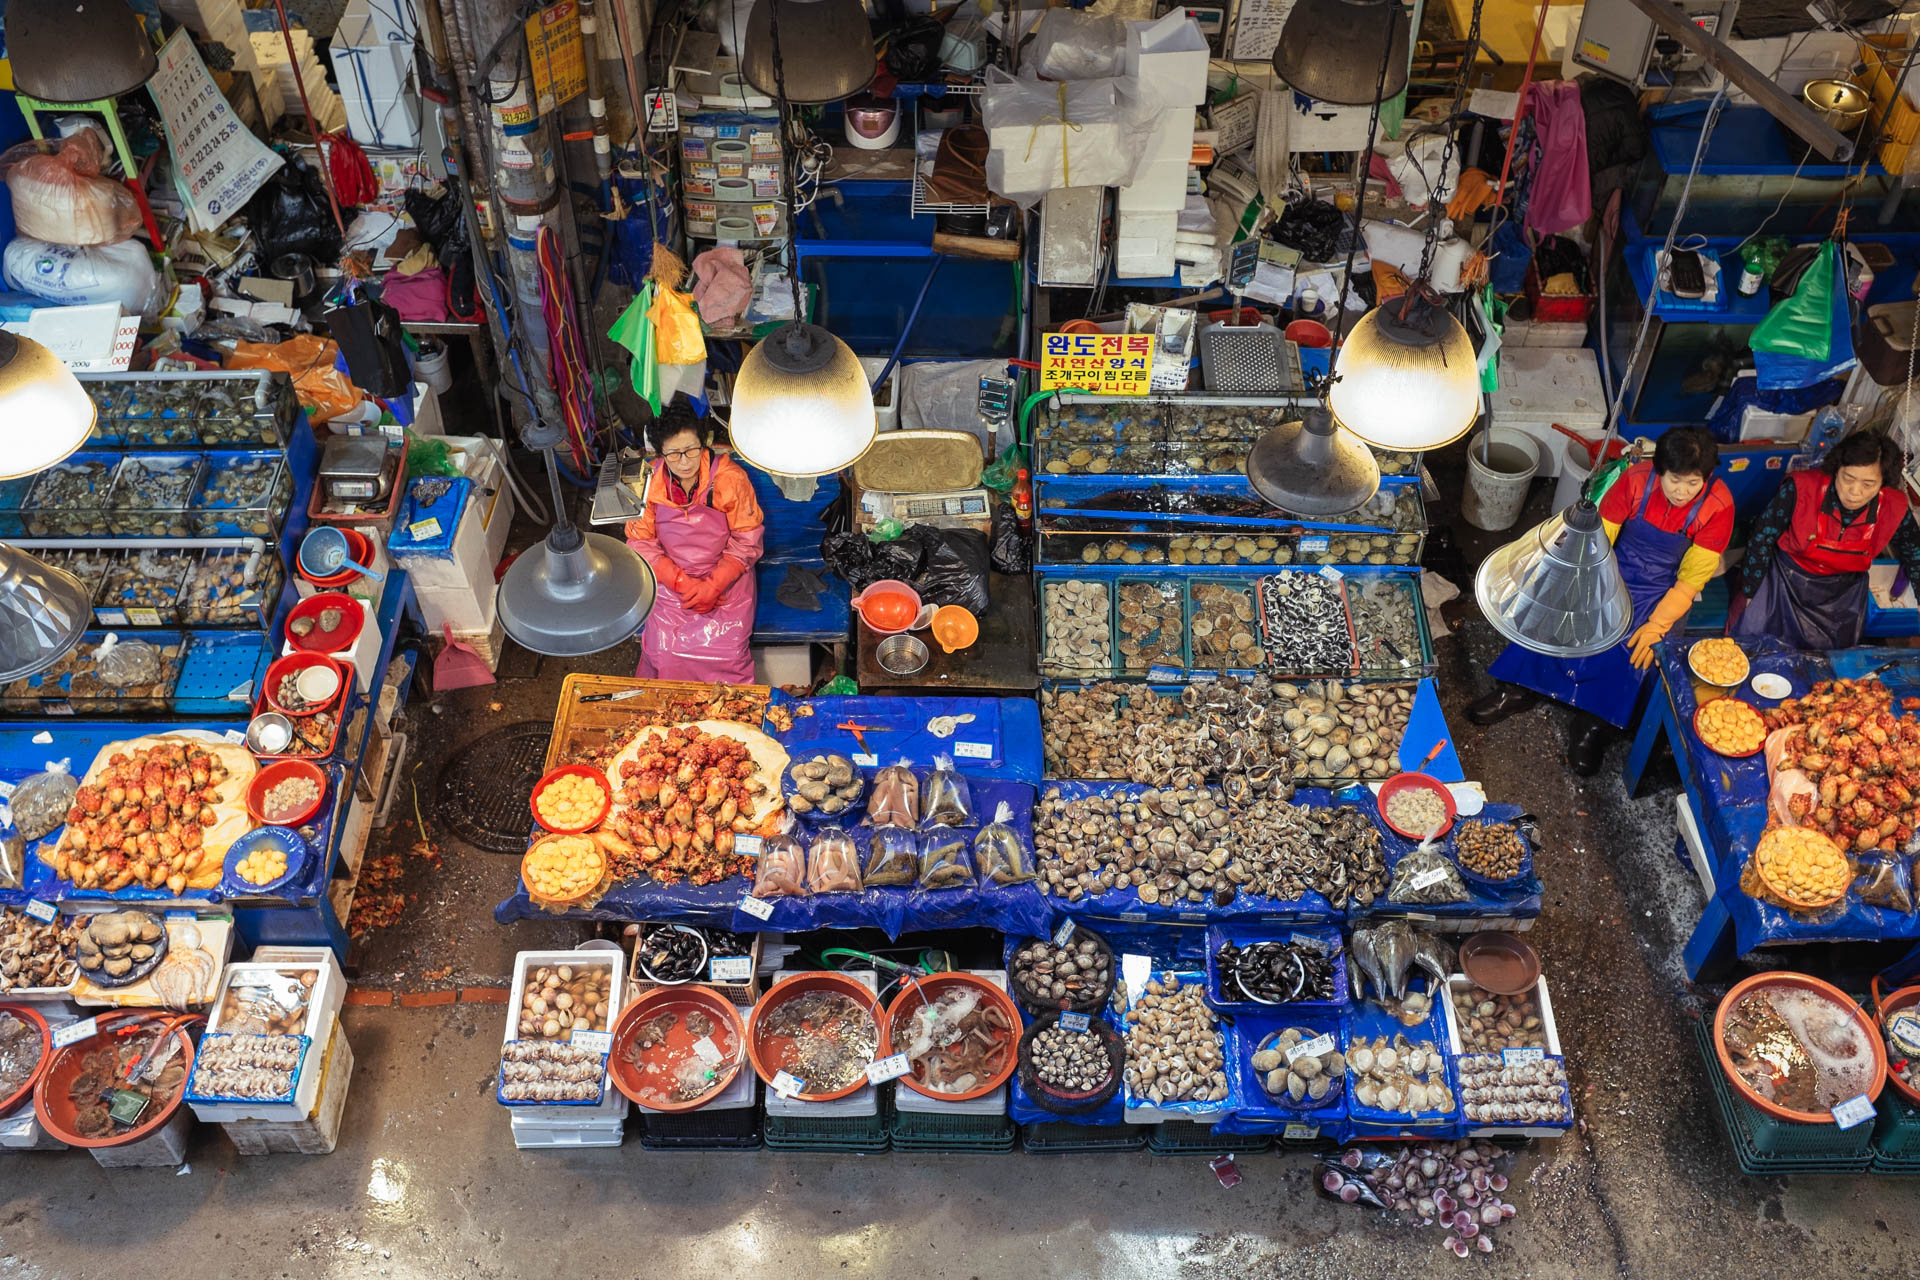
x: 1574, y: 470
x: 1497, y: 489
x: 431, y: 367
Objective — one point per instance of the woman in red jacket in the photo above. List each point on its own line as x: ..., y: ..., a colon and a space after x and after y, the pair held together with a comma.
x: 1805, y: 575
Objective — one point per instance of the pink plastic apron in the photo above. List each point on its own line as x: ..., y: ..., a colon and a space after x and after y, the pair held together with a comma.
x: 676, y: 643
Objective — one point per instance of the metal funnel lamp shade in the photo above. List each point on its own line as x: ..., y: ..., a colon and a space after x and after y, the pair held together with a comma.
x: 1557, y: 588
x: 77, y: 50
x: 825, y: 50
x: 574, y: 594
x: 45, y: 414
x: 1331, y: 50
x: 1312, y: 467
x: 1406, y: 378
x: 43, y: 612
x: 801, y: 404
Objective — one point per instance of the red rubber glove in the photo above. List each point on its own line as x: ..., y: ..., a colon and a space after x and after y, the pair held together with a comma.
x: 671, y: 576
x: 702, y: 595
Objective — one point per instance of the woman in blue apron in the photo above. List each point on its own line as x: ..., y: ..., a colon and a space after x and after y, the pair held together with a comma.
x: 1669, y: 520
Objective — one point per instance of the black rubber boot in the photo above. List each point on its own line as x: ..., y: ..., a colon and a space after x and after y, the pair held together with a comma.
x: 1508, y: 700
x: 1587, y: 739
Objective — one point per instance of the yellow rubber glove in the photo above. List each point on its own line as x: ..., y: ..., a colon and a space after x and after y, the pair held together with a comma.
x: 1673, y: 606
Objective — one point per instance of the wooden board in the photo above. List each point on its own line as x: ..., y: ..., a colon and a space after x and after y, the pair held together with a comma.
x: 230, y: 807
x: 215, y: 938
x: 582, y: 727
x: 769, y: 755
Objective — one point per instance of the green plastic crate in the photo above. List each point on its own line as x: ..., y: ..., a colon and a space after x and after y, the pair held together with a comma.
x: 1064, y: 1138
x: 1188, y: 1138
x: 1896, y: 1134
x: 737, y: 1129
x: 850, y: 1135
x: 933, y: 1131
x: 1764, y: 1145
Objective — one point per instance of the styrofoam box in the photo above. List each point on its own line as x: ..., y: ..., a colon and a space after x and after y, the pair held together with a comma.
x: 364, y: 654
x: 461, y: 608
x: 1160, y: 187
x: 864, y: 1101
x: 1760, y: 424
x: 1540, y: 386
x: 1457, y: 986
x: 1696, y: 847
x: 550, y: 1125
x: 1544, y: 333
x: 323, y: 1012
x: 479, y: 460
x: 466, y: 566
x: 889, y: 411
x: 991, y: 1104
x: 366, y: 23
x: 1326, y: 127
x: 389, y: 120
x: 1168, y: 57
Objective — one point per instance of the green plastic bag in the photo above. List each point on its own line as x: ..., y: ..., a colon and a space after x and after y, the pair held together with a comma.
x: 634, y: 331
x: 1803, y: 324
x: 998, y: 474
x: 1603, y: 478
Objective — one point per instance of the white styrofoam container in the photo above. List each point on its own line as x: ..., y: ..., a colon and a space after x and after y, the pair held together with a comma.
x: 367, y: 23
x: 480, y: 461
x: 323, y: 1012
x: 1159, y: 187
x: 1326, y: 127
x: 550, y: 1126
x: 1168, y: 58
x: 1760, y: 424
x: 464, y: 609
x: 991, y: 1104
x: 864, y: 1101
x: 888, y: 411
x: 1696, y: 847
x: 467, y: 567
x: 1540, y: 386
x: 1544, y: 333
x: 1457, y: 986
x: 530, y: 1134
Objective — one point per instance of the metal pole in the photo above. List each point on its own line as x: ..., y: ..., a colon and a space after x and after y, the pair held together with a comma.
x: 1778, y: 103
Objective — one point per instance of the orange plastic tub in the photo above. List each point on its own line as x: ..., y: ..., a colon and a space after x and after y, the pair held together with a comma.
x: 53, y: 1095
x: 772, y: 1053
x: 929, y: 989
x: 648, y: 1076
x: 31, y: 1016
x: 1803, y: 982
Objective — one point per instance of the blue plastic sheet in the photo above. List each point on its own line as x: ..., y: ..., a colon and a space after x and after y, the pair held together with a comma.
x: 1008, y: 729
x: 1200, y: 1112
x: 1254, y: 1110
x: 1367, y: 1020
x: 1731, y: 794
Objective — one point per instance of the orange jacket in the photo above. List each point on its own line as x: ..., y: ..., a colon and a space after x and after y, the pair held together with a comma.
x: 732, y: 496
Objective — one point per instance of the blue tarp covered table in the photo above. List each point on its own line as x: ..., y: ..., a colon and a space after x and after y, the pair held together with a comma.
x: 1728, y: 800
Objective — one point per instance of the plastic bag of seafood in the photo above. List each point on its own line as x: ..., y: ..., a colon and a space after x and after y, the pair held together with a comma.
x: 40, y: 803
x: 895, y: 801
x: 946, y: 860
x: 1427, y: 877
x: 893, y: 857
x: 782, y: 870
x: 823, y: 786
x: 948, y: 799
x: 998, y: 855
x: 833, y: 864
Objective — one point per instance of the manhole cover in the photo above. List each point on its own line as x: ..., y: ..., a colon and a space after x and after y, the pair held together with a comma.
x: 485, y: 788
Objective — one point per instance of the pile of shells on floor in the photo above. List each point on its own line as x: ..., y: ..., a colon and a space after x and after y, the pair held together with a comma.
x: 1454, y: 1186
x: 1076, y: 621
x: 1170, y: 845
x: 1304, y: 618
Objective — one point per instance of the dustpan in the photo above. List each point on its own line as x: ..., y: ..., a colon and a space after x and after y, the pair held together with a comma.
x: 459, y: 666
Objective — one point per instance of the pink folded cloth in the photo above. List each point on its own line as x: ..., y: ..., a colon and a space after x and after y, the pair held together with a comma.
x: 722, y: 289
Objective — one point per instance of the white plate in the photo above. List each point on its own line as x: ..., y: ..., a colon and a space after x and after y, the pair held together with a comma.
x: 1769, y: 685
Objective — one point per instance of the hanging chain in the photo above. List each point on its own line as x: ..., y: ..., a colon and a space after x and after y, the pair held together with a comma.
x: 788, y: 168
x: 1354, y: 235
x: 1437, y: 207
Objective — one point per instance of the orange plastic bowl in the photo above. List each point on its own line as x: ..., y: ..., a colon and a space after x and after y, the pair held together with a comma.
x: 53, y: 1095
x: 924, y: 990
x: 772, y: 1054
x: 300, y: 660
x: 575, y: 771
x: 1416, y: 782
x: 1895, y: 1002
x: 1824, y: 989
x: 644, y: 1082
x: 890, y: 611
x: 31, y: 1016
x: 955, y: 627
x: 272, y: 776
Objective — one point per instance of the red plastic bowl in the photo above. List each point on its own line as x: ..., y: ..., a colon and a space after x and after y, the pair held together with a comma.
x: 280, y: 667
x: 728, y: 1035
x: 576, y: 771
x: 1309, y: 333
x: 274, y: 774
x: 359, y: 550
x: 31, y: 1016
x: 52, y: 1096
x: 924, y: 990
x: 1416, y: 781
x: 334, y: 641
x: 772, y: 1054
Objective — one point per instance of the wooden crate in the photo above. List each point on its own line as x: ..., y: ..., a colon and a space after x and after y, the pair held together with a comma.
x: 590, y: 726
x: 318, y: 1133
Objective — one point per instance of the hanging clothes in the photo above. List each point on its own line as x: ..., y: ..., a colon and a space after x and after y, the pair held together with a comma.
x: 702, y: 546
x: 1653, y: 544
x: 1562, y: 196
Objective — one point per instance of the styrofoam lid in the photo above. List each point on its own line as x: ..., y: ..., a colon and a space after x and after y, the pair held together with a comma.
x: 1549, y: 384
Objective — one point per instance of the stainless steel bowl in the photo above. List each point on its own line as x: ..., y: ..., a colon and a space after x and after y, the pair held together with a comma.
x: 1840, y: 103
x: 901, y: 655
x: 266, y: 729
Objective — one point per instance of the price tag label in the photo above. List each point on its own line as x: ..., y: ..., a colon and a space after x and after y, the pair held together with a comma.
x: 1202, y: 677
x: 1137, y: 971
x: 730, y: 968
x: 708, y: 1052
x: 600, y: 1042
x: 866, y: 760
x: 241, y: 693
x: 422, y: 530
x: 1300, y: 1132
x: 787, y: 1085
x: 110, y: 617
x: 1855, y: 1110
x: 1330, y: 573
x: 748, y: 847
x: 178, y: 916
x: 1309, y: 545
x: 973, y: 750
x: 44, y: 912
x: 1307, y: 942
x: 1134, y: 917
x: 1322, y: 1043
x: 140, y: 616
x: 1063, y: 933
x: 758, y: 908
x: 1514, y: 1057
x: 1194, y: 916
x: 891, y: 1067
x: 1074, y: 1022
x: 6, y: 790
x: 75, y: 1032
x: 234, y: 736
x: 1428, y: 878
x: 1164, y: 675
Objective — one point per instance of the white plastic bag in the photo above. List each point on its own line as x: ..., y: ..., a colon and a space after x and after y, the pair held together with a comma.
x: 1074, y: 133
x: 1071, y: 45
x: 59, y: 195
x: 74, y: 275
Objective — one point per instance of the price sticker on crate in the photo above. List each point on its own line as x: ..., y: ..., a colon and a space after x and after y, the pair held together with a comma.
x: 730, y: 969
x: 891, y: 1067
x: 600, y: 1042
x: 1855, y: 1110
x: 788, y: 1085
x: 1307, y: 942
x: 1310, y: 545
x: 1075, y: 1022
x: 75, y: 1032
x: 758, y: 908
x: 1330, y: 573
x: 1161, y: 674
x: 1320, y: 1044
x: 1515, y: 1057
x: 1300, y: 1132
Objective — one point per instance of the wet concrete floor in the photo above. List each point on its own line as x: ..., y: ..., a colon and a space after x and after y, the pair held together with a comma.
x: 426, y: 1181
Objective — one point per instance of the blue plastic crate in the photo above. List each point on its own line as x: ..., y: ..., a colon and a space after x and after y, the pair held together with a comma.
x: 215, y: 513
x: 220, y: 671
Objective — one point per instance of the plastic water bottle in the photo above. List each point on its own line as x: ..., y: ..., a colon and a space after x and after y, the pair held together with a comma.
x: 1828, y: 428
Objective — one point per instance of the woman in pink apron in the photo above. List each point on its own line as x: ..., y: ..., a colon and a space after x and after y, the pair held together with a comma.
x: 701, y: 532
